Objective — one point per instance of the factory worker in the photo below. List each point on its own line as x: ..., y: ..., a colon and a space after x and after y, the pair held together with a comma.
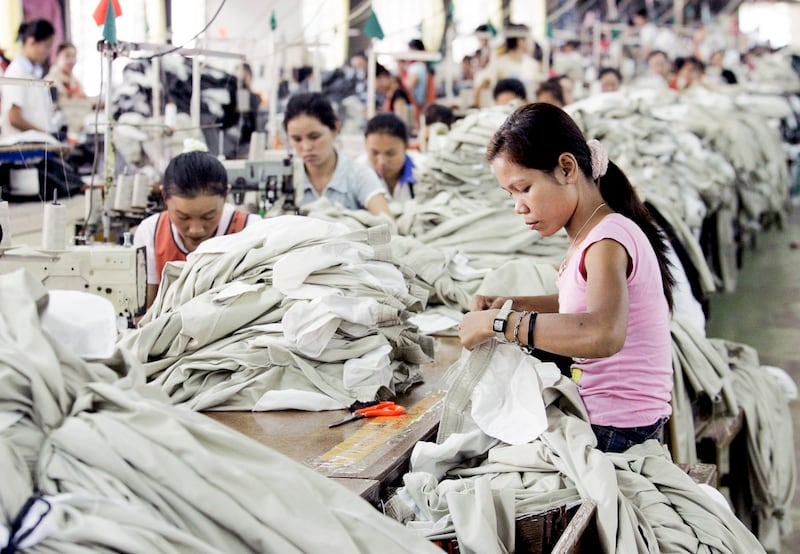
x: 612, y: 310
x: 194, y: 188
x: 386, y: 139
x: 312, y: 127
x: 29, y: 108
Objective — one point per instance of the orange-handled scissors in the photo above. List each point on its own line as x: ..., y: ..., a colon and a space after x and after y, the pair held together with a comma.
x: 379, y: 409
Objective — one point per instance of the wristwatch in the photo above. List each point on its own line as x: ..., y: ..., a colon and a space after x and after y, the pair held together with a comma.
x: 500, y: 321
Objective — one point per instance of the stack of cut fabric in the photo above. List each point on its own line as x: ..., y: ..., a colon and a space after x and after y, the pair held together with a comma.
x: 450, y: 242
x: 113, y: 467
x: 456, y: 161
x: 471, y: 484
x: 292, y: 312
x: 700, y: 154
x: 763, y: 472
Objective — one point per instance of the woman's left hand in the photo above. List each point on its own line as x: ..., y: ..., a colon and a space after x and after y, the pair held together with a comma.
x: 476, y: 328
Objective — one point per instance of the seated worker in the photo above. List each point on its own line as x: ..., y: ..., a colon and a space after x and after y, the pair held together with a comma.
x: 194, y: 190
x: 397, y: 99
x: 29, y: 108
x: 610, y: 79
x: 312, y: 126
x: 438, y: 118
x: 386, y: 139
x: 509, y: 90
x: 61, y: 74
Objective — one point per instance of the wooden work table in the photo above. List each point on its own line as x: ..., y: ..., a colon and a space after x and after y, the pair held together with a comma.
x: 367, y: 455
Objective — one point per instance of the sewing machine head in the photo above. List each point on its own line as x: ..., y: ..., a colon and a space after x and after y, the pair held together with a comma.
x: 265, y: 183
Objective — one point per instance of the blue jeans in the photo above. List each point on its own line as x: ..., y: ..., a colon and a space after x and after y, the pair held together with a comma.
x: 619, y: 439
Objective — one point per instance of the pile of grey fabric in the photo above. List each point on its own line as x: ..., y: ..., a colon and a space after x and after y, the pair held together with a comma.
x: 93, y: 461
x: 292, y: 312
x: 457, y: 161
x: 700, y: 154
x: 723, y: 378
x: 472, y: 483
x: 451, y: 242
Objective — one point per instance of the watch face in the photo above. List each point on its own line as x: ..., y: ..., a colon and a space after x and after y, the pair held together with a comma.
x: 499, y: 325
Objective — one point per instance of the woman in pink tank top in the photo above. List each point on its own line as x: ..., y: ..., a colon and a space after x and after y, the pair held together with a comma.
x: 612, y: 312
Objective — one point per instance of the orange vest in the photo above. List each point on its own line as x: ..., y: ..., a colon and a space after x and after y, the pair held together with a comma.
x: 167, y: 251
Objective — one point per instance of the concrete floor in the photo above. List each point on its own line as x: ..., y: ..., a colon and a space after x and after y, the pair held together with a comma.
x: 764, y: 312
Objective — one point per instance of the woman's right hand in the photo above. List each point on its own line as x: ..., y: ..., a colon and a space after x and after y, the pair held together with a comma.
x: 480, y: 302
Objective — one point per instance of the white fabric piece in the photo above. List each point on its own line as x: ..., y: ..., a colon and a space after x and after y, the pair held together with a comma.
x: 7, y: 419
x: 39, y: 530
x: 507, y: 402
x: 234, y: 290
x: 436, y: 459
x: 373, y: 368
x: 311, y: 325
x: 435, y: 320
x: 460, y: 270
x: 684, y: 304
x: 715, y: 495
x: 42, y: 521
x: 548, y: 373
x: 292, y: 399
x: 81, y: 322
x: 783, y: 379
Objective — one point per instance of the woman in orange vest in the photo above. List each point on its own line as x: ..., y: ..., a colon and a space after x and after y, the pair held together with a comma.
x: 194, y: 189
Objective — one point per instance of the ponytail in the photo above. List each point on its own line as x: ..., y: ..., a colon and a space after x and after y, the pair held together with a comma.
x: 621, y: 197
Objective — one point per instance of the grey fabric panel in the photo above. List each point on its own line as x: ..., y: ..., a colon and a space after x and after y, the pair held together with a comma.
x: 771, y: 467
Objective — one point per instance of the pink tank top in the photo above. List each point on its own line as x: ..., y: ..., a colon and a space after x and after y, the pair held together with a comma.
x: 632, y: 388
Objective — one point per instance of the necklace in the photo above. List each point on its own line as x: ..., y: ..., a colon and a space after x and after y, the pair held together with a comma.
x: 578, y: 234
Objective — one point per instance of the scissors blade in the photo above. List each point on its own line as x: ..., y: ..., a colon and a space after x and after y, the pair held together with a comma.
x: 347, y: 419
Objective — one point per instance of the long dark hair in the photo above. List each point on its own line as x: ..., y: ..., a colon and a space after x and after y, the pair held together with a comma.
x: 535, y: 135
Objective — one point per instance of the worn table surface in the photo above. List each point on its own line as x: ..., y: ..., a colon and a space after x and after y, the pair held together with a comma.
x: 369, y: 450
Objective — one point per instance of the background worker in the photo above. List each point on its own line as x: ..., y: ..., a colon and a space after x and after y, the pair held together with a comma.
x: 312, y: 127
x: 509, y: 90
x: 29, y: 108
x: 386, y: 139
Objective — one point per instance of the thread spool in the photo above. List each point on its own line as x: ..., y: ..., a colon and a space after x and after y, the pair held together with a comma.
x: 170, y: 115
x: 123, y: 193
x: 5, y: 225
x: 141, y: 190
x: 258, y: 146
x: 54, y: 227
x: 93, y: 205
x: 24, y: 182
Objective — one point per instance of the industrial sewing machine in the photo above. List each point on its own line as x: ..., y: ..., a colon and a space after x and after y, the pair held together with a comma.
x: 117, y: 273
x: 267, y: 184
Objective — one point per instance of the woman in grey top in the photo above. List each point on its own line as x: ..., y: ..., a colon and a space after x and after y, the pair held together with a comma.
x: 312, y: 127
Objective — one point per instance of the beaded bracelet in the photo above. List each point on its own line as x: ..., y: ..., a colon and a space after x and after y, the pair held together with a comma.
x: 529, y: 348
x: 522, y: 315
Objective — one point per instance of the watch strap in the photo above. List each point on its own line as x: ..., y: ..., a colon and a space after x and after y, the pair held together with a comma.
x: 501, y: 319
